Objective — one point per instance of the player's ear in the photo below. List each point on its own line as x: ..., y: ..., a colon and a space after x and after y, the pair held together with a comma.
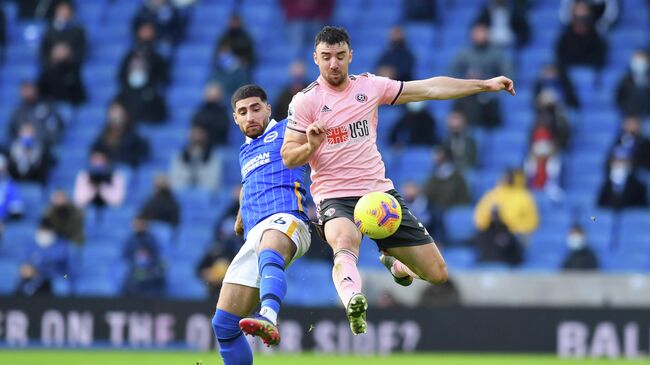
x: 315, y: 58
x: 350, y: 61
x: 268, y: 108
x: 234, y: 117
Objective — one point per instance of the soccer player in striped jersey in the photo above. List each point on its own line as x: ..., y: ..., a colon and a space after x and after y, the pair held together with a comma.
x: 272, y: 217
x: 333, y: 127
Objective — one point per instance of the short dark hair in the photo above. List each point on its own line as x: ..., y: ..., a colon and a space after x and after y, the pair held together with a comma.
x: 332, y: 35
x: 247, y: 91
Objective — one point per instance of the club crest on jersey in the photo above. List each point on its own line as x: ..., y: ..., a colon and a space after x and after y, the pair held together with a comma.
x: 330, y: 212
x: 362, y: 98
x: 271, y: 137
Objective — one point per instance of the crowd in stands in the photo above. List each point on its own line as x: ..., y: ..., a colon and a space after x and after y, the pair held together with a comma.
x: 143, y: 102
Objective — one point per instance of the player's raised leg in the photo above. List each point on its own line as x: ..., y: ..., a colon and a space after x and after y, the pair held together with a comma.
x: 424, y: 261
x: 345, y: 238
x: 235, y: 302
x: 275, y: 252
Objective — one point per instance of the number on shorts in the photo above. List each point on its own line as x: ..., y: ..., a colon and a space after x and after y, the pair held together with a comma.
x: 279, y: 221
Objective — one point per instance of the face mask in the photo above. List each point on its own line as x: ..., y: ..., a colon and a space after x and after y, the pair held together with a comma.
x: 415, y: 106
x: 27, y: 141
x: 137, y: 79
x: 575, y: 241
x: 45, y: 238
x: 619, y: 173
x: 542, y: 148
x: 639, y: 65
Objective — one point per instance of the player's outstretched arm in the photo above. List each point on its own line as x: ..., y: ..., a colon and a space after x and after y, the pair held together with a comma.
x: 298, y: 147
x: 440, y: 88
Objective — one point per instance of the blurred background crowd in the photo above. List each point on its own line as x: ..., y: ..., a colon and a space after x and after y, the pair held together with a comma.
x: 119, y: 158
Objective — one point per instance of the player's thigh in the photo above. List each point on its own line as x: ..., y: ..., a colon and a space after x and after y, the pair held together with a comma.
x: 238, y: 299
x: 280, y: 242
x: 424, y: 260
x: 342, y: 233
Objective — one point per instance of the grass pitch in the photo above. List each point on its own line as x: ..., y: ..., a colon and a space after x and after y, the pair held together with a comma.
x: 65, y: 357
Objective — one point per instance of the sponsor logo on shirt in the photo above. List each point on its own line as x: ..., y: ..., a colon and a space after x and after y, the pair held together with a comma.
x: 348, y: 132
x: 325, y: 109
x: 338, y: 135
x: 362, y: 98
x: 270, y: 137
x: 330, y: 212
x: 255, y: 162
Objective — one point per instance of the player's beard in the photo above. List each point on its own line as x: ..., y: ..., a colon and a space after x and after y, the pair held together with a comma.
x: 257, y: 132
x: 334, y: 82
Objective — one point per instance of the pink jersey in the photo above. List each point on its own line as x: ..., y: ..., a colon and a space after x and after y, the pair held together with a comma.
x: 347, y: 163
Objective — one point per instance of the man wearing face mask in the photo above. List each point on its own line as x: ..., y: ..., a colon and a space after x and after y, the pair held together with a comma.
x: 543, y: 166
x: 549, y: 111
x: 459, y: 142
x: 298, y: 81
x: 60, y: 77
x: 29, y: 157
x: 633, y: 92
x: 416, y: 127
x: 508, y: 24
x: 212, y: 115
x: 63, y: 28
x: 632, y: 140
x: 196, y: 165
x: 99, y: 185
x: 398, y: 57
x: 42, y: 113
x: 580, y: 255
x: 66, y: 219
x: 555, y: 79
x: 162, y: 205
x: 580, y: 44
x: 622, y: 189
x: 46, y: 258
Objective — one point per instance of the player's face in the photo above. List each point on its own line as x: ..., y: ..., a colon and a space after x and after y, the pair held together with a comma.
x: 333, y: 61
x: 252, y: 116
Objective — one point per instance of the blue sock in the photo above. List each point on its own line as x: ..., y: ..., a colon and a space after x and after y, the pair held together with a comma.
x: 234, y: 348
x: 273, y: 283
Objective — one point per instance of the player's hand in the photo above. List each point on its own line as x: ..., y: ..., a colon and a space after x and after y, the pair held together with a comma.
x: 500, y: 83
x: 316, y: 133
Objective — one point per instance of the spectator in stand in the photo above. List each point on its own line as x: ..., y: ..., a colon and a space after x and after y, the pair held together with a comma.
x: 143, y: 77
x: 580, y: 255
x: 580, y: 44
x: 515, y: 205
x: 29, y: 157
x: 622, y: 189
x: 147, y: 270
x: 446, y: 187
x: 304, y: 18
x: 3, y: 35
x: 99, y: 185
x: 397, y: 62
x: 41, y: 113
x: 297, y: 82
x: 550, y: 112
x: 507, y: 23
x: 60, y: 77
x: 196, y: 165
x: 418, y: 202
x: 213, y: 115
x: 605, y: 12
x: 167, y: 20
x: 11, y: 203
x: 480, y: 61
x: 635, y: 143
x: 543, y: 166
x: 421, y: 10
x: 225, y: 245
x: 633, y: 92
x: 119, y: 139
x: 46, y: 258
x: 416, y: 127
x: 555, y: 79
x: 496, y: 243
x: 162, y: 205
x: 66, y: 219
x: 459, y: 142
x: 64, y: 29
x: 234, y: 56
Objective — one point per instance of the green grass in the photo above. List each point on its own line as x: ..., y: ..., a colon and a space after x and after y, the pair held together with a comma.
x: 63, y: 357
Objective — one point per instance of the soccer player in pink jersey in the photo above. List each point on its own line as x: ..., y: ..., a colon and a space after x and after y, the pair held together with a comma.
x: 333, y: 127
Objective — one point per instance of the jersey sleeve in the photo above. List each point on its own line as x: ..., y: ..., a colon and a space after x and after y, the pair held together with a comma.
x: 388, y: 90
x: 298, y: 115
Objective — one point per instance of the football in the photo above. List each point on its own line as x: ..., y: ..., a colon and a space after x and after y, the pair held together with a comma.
x: 377, y: 215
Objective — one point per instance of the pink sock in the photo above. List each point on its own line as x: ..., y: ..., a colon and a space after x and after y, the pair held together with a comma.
x: 346, y: 275
x: 400, y: 270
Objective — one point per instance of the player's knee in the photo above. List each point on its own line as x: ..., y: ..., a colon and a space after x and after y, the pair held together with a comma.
x: 436, y: 274
x: 225, y: 325
x: 344, y: 242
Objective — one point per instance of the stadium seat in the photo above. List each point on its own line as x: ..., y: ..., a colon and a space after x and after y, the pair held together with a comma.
x: 459, y: 224
x: 9, y: 271
x: 301, y: 277
x: 459, y: 258
x: 182, y: 283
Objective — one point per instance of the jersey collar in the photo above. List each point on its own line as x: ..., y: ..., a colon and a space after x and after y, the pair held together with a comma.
x: 271, y: 124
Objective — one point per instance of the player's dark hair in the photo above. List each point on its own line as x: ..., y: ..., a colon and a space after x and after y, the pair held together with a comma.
x: 332, y: 35
x: 247, y: 91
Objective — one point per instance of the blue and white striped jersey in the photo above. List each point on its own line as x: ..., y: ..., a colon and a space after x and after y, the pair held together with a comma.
x: 268, y: 186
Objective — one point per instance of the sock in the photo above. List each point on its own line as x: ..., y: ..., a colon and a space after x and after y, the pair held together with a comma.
x: 345, y: 275
x: 234, y: 348
x: 273, y: 283
x: 400, y: 270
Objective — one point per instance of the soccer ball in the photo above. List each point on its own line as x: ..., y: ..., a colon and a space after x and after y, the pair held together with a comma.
x: 377, y: 215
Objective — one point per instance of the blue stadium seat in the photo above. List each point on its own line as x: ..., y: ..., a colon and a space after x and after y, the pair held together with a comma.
x: 98, y: 286
x: 459, y: 223
x: 9, y: 271
x: 369, y: 255
x: 301, y: 277
x: 182, y: 282
x: 459, y: 258
x: 626, y: 262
